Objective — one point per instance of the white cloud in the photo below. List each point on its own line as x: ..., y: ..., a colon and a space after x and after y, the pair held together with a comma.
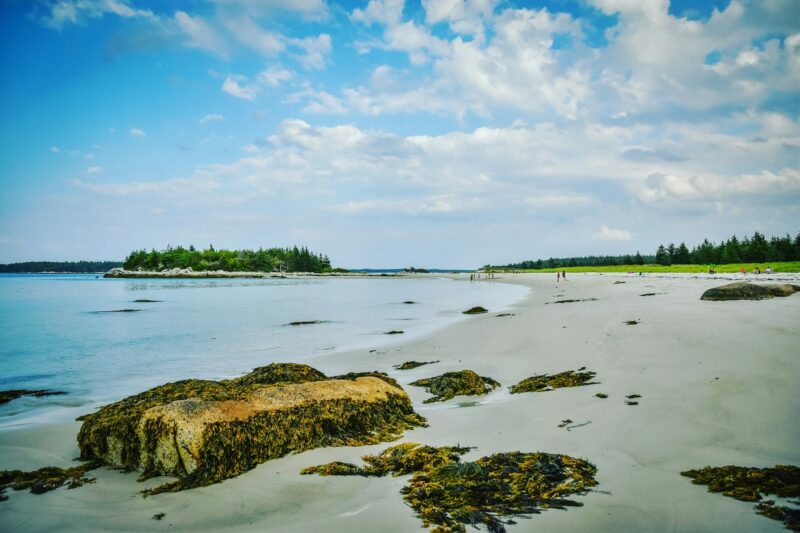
x: 94, y: 170
x: 250, y: 34
x: 211, y: 117
x: 136, y: 132
x: 609, y: 234
x: 63, y: 12
x: 55, y: 149
x: 274, y: 75
x: 441, y: 204
x: 315, y: 49
x: 232, y: 86
x: 384, y: 12
x: 201, y: 35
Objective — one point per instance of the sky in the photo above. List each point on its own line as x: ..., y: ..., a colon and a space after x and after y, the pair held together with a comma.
x: 428, y: 133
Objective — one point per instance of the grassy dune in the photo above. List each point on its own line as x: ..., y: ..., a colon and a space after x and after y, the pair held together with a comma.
x: 790, y: 266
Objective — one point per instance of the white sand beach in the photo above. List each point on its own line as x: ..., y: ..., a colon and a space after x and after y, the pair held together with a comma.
x: 718, y: 384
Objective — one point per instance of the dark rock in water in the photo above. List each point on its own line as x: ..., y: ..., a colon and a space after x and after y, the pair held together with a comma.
x: 203, y: 432
x: 408, y: 365
x: 146, y: 301
x: 631, y: 322
x: 629, y: 402
x: 476, y: 310
x: 46, y: 479
x: 754, y: 485
x: 159, y: 516
x: 633, y: 396
x: 742, y: 290
x: 545, y: 382
x: 8, y: 395
x: 116, y: 311
x: 648, y: 294
x: 452, y: 384
x: 394, y: 332
x: 307, y: 322
x: 447, y: 494
x: 409, y: 302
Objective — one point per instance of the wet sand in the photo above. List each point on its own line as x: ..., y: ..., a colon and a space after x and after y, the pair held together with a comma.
x: 718, y: 382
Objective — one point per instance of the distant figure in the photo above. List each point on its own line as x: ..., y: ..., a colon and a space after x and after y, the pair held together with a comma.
x: 768, y: 270
x: 558, y: 277
x: 757, y: 270
x: 564, y: 275
x: 744, y: 271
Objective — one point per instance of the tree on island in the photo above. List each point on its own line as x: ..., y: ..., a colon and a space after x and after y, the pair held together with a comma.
x: 262, y: 260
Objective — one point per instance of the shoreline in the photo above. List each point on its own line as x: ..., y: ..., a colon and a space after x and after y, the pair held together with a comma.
x: 717, y: 381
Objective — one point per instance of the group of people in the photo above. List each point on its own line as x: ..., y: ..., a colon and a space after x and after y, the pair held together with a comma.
x: 561, y: 275
x: 757, y: 270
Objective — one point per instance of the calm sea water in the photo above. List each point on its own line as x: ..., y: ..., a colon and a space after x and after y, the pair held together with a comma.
x: 54, y: 335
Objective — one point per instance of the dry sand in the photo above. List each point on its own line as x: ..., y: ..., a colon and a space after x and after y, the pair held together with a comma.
x: 719, y: 385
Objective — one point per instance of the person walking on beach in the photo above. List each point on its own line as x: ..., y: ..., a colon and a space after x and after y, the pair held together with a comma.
x: 564, y: 275
x: 558, y: 277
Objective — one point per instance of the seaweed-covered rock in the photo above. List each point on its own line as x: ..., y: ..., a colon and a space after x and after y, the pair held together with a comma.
x: 477, y: 310
x: 452, y: 384
x: 8, y: 395
x: 545, y: 382
x: 752, y: 485
x: 206, y: 431
x: 46, y: 479
x: 448, y: 494
x: 742, y: 290
x: 408, y: 365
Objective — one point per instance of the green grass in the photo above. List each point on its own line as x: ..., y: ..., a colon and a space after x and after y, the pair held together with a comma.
x: 790, y: 266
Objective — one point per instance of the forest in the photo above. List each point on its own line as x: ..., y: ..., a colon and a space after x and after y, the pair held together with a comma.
x: 755, y: 249
x: 72, y: 267
x: 262, y: 260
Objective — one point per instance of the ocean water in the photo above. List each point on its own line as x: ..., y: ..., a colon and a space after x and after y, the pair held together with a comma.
x: 56, y: 333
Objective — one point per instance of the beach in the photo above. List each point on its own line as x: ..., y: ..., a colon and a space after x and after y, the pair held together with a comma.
x: 718, y: 386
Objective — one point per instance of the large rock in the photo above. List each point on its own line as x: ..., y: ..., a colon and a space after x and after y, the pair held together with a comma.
x: 742, y: 290
x: 205, y: 431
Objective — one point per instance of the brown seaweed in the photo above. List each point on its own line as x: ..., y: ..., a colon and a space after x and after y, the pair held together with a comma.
x: 452, y: 384
x: 46, y: 479
x: 408, y: 365
x: 548, y: 382
x: 447, y: 494
x: 8, y: 395
x: 752, y: 485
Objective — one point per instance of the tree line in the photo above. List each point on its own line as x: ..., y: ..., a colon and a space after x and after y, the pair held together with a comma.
x: 755, y: 249
x: 262, y: 260
x: 72, y: 267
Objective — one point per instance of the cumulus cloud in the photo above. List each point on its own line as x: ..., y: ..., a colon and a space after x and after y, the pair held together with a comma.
x: 94, y: 170
x: 233, y: 87
x: 274, y: 75
x: 136, y: 132
x: 201, y: 35
x: 608, y: 234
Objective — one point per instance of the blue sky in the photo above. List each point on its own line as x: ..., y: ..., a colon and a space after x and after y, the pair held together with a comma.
x: 388, y: 133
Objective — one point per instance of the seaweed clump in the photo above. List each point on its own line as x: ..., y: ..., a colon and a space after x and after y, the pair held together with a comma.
x: 477, y: 310
x: 452, y: 384
x: 203, y: 432
x: 752, y: 484
x: 548, y: 382
x: 46, y: 479
x: 8, y: 395
x: 399, y: 460
x: 447, y: 494
x: 408, y: 365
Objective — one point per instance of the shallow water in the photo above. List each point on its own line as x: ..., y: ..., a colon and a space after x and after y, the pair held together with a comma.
x: 56, y: 333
